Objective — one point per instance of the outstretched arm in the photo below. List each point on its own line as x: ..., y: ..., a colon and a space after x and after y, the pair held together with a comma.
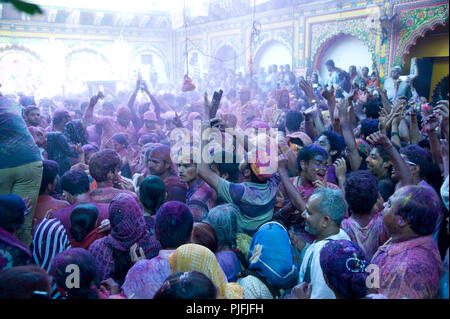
x: 294, y: 196
x: 347, y: 133
x: 398, y: 162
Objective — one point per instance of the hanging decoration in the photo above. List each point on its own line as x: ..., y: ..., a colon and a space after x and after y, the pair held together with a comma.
x: 187, y: 81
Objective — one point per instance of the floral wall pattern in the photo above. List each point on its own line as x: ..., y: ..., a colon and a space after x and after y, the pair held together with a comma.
x: 412, y: 23
x: 322, y: 32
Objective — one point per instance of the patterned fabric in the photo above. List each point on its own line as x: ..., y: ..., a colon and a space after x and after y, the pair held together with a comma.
x: 12, y: 251
x: 146, y: 276
x: 75, y: 132
x: 255, y: 201
x: 363, y: 147
x: 127, y: 227
x: 17, y: 144
x: 49, y: 240
x: 254, y: 288
x: 200, y: 193
x: 270, y: 256
x: 369, y: 237
x: 409, y: 269
x: 193, y: 257
x: 344, y: 263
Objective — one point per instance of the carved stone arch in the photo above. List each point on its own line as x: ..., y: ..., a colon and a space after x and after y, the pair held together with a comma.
x: 20, y: 48
x: 411, y: 41
x: 318, y: 55
x: 266, y: 44
x: 153, y: 50
x: 85, y: 49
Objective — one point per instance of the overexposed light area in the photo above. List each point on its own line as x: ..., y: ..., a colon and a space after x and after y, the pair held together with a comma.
x: 130, y: 6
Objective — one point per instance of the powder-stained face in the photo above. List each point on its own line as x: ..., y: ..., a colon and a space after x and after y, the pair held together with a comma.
x: 157, y: 166
x: 375, y: 163
x: 34, y: 117
x: 323, y: 142
x: 390, y: 217
x: 317, y: 168
x: 117, y: 146
x: 187, y: 172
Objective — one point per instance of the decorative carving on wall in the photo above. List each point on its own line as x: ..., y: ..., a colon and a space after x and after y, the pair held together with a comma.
x: 414, y: 20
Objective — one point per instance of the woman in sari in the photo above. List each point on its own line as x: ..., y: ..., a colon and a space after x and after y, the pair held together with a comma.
x: 193, y: 257
x: 128, y: 227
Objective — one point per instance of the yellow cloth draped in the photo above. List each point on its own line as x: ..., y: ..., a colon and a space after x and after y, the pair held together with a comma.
x: 193, y: 257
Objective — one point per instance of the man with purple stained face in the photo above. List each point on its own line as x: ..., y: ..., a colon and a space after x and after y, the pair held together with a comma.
x: 312, y: 162
x: 409, y: 262
x: 200, y: 197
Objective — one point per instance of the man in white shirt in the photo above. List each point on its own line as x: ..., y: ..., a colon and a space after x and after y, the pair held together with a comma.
x: 324, y: 212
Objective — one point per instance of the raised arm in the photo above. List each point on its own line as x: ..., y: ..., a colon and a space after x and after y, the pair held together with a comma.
x: 347, y: 133
x: 155, y: 102
x: 294, y: 196
x: 398, y: 162
x: 89, y: 112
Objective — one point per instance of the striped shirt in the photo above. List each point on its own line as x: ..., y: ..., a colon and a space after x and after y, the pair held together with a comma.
x: 49, y: 240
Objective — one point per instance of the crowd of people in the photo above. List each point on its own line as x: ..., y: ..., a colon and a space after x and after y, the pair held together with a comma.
x: 99, y: 200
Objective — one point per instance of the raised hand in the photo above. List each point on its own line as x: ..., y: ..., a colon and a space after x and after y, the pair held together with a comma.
x: 341, y: 167
x: 430, y: 123
x: 382, y: 120
x: 378, y: 138
x: 177, y: 121
x: 442, y: 109
x: 328, y: 94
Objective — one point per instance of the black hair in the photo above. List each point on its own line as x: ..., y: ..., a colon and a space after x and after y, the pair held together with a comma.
x: 83, y: 220
x: 49, y: 173
x: 336, y: 141
x: 187, y: 285
x: 361, y: 192
x: 88, y: 273
x: 372, y: 109
x: 293, y: 120
x: 12, y: 209
x: 383, y: 154
x: 309, y: 152
x: 330, y: 63
x: 368, y: 127
x: 122, y: 263
x: 121, y: 139
x: 20, y: 282
x: 30, y: 108
x: 232, y: 169
x: 75, y: 182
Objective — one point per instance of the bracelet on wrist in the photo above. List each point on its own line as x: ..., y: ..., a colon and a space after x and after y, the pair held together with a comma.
x: 394, y: 134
